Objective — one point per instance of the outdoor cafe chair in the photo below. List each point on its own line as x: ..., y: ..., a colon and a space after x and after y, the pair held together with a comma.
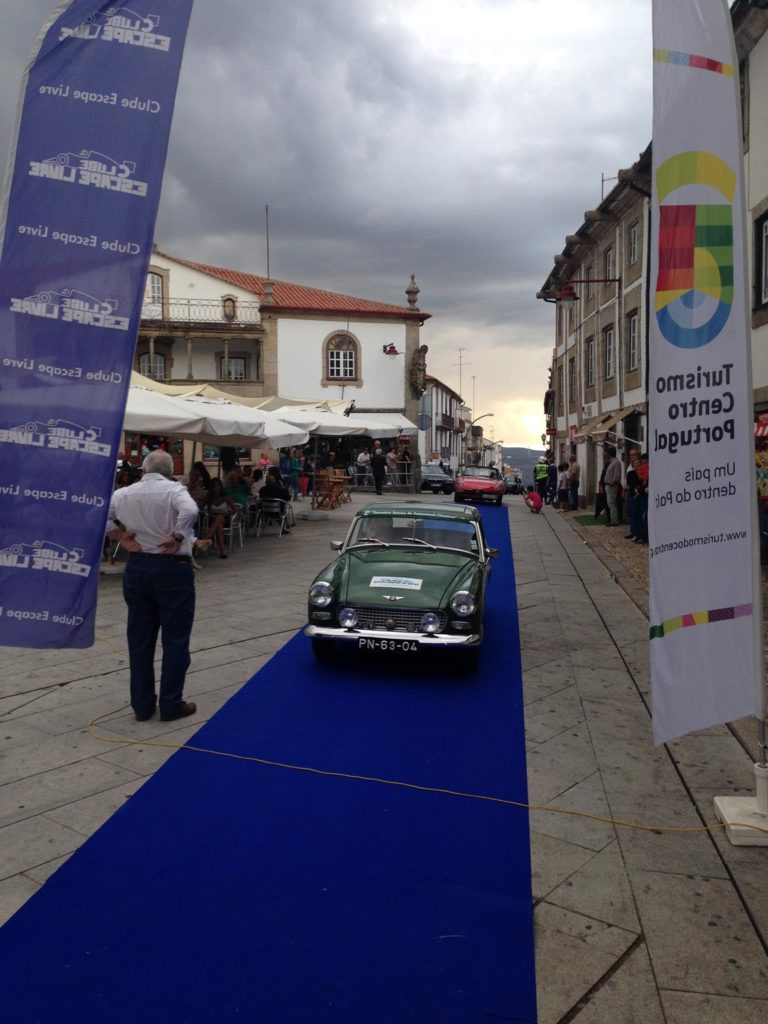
x: 233, y: 528
x: 275, y: 512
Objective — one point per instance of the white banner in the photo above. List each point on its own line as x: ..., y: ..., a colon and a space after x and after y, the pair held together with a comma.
x: 704, y: 594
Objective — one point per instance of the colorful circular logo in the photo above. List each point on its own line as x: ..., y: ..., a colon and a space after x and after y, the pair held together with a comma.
x: 694, y: 286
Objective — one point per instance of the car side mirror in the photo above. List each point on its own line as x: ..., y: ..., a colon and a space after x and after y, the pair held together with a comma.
x: 337, y: 545
x: 493, y: 552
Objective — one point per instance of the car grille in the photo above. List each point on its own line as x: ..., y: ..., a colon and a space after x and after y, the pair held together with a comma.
x: 403, y: 619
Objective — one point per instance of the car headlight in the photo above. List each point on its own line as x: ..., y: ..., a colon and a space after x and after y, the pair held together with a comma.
x: 430, y: 622
x: 462, y: 603
x: 347, y: 617
x: 320, y: 594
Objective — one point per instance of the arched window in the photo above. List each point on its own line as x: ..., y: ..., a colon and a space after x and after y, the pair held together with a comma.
x: 153, y: 296
x: 342, y: 358
x: 152, y: 366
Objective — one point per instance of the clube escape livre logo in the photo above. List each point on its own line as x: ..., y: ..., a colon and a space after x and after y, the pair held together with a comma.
x: 120, y: 25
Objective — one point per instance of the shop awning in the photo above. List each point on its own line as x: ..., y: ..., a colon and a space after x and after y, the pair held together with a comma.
x: 396, y: 420
x: 761, y: 425
x: 603, y: 424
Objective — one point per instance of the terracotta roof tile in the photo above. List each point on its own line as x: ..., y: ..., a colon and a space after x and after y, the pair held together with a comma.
x: 300, y: 298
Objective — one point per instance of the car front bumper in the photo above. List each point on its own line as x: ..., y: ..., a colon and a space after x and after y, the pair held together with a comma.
x: 424, y: 639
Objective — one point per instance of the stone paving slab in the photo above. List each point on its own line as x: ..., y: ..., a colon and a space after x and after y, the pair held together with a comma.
x: 693, y: 903
x: 631, y: 927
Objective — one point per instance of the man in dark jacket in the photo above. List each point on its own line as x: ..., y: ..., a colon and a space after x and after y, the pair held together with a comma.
x: 378, y: 467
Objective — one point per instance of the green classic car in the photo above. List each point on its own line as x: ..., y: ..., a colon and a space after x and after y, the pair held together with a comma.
x: 410, y: 576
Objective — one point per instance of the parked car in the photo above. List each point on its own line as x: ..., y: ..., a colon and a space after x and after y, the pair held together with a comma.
x: 513, y: 484
x: 410, y: 577
x: 479, y: 483
x: 436, y: 480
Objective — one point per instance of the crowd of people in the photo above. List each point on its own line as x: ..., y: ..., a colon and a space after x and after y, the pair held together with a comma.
x: 622, y: 496
x: 219, y: 499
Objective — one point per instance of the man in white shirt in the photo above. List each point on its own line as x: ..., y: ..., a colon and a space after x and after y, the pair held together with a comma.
x: 363, y: 461
x: 154, y: 520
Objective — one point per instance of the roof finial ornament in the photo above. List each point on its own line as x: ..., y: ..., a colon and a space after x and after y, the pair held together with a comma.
x: 412, y: 291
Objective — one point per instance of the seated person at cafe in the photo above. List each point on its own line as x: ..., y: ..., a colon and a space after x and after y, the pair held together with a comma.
x: 256, y: 482
x: 197, y: 485
x: 274, y: 489
x: 219, y: 507
x: 235, y: 488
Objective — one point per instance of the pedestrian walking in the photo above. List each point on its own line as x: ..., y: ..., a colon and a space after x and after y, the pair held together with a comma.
x: 154, y: 520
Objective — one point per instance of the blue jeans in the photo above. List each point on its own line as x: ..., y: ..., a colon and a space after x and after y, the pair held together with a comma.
x: 160, y: 594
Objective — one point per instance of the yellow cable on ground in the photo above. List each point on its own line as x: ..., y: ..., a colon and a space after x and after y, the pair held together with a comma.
x: 659, y: 829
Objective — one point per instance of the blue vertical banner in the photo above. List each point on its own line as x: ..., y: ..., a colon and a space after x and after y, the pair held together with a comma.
x: 78, y: 217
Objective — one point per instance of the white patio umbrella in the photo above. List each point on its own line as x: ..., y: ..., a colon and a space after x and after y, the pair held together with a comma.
x: 321, y: 423
x: 211, y: 422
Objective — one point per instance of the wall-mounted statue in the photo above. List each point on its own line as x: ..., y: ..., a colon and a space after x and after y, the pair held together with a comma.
x: 419, y: 371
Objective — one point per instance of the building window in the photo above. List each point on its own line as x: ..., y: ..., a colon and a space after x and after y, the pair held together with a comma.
x: 233, y: 368
x: 608, y: 264
x: 761, y: 261
x: 560, y: 390
x: 229, y: 307
x: 633, y: 351
x: 589, y: 362
x: 341, y: 358
x: 153, y: 296
x: 633, y: 243
x: 608, y: 368
x: 589, y: 274
x: 152, y: 366
x: 572, y: 379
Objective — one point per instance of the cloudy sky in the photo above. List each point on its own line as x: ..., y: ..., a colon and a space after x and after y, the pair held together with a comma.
x: 459, y: 140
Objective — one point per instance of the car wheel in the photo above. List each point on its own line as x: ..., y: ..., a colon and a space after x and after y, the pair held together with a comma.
x: 457, y: 498
x: 323, y: 649
x: 499, y: 499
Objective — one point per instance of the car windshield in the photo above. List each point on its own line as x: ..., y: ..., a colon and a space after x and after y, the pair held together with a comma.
x: 480, y: 471
x: 429, y: 530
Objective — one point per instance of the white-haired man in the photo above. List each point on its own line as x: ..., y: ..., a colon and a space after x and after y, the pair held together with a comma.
x: 154, y: 520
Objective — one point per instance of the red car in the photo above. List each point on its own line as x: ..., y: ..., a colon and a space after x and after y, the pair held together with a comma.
x: 479, y: 483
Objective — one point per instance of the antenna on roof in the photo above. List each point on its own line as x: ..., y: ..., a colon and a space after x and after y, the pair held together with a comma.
x: 266, y: 217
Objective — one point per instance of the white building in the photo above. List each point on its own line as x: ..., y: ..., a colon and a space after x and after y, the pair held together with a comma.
x: 442, y: 424
x: 256, y: 337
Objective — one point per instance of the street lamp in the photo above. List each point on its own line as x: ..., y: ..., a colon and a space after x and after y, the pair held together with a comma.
x: 472, y: 423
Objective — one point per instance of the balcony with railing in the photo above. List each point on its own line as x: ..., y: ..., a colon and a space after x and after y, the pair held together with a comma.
x: 211, y: 312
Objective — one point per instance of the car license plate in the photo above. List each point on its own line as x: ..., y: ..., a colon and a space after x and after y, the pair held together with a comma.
x: 369, y: 643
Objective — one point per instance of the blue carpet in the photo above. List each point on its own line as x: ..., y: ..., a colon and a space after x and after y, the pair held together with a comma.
x: 229, y: 891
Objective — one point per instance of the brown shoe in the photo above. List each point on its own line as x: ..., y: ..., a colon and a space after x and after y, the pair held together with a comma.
x: 186, y: 708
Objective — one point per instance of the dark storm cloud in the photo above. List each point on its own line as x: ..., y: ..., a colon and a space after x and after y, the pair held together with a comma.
x: 388, y: 140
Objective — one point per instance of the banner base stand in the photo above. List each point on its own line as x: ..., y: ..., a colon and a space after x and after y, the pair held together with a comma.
x: 738, y: 813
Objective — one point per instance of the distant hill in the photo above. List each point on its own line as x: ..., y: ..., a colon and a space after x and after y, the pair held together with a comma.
x: 523, y: 459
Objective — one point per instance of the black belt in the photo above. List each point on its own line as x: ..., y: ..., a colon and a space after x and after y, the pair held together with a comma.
x: 137, y: 556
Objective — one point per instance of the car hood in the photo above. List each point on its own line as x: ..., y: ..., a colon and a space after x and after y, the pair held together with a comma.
x: 421, y: 577
x: 478, y: 483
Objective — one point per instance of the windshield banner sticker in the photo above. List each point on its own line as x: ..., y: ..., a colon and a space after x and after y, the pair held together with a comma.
x: 396, y: 582
x: 77, y: 223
